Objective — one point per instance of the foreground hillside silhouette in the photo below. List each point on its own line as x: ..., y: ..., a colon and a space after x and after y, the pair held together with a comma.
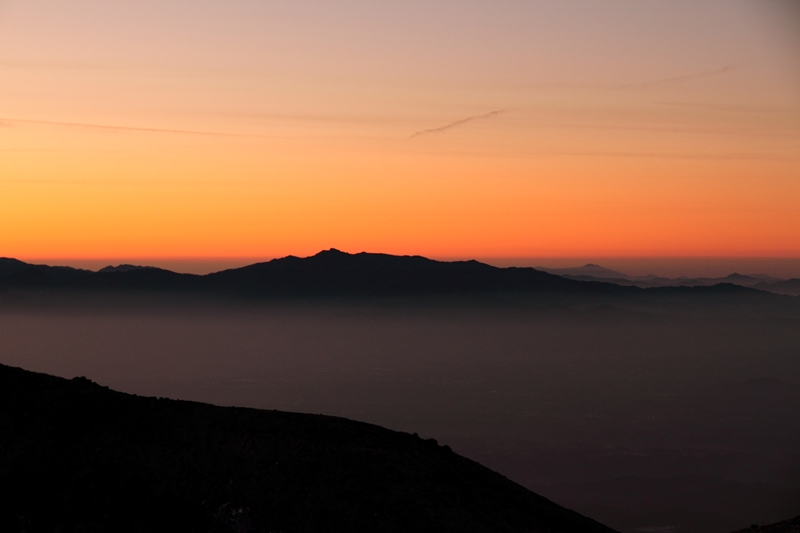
x: 787, y: 526
x: 75, y: 456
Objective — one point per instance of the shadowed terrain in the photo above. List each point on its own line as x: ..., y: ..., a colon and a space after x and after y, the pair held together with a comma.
x: 787, y: 526
x: 75, y: 456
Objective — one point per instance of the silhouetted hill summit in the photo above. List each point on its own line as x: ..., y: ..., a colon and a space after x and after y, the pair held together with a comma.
x: 12, y: 267
x: 125, y: 268
x: 75, y: 456
x: 335, y: 273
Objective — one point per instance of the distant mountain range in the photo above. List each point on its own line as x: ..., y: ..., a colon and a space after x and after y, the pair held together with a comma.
x: 328, y: 273
x: 335, y: 273
x: 592, y: 272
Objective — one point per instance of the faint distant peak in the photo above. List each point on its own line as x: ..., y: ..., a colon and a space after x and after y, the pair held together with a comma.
x: 736, y: 275
x: 759, y: 277
x: 589, y: 269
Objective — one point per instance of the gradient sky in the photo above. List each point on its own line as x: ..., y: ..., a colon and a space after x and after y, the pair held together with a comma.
x: 178, y: 128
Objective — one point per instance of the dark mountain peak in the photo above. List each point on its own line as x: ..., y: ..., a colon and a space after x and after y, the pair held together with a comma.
x: 76, y: 456
x: 43, y: 274
x: 126, y: 268
x: 331, y: 252
x: 591, y: 265
x: 368, y: 258
x: 336, y: 273
x: 9, y: 265
x: 11, y: 261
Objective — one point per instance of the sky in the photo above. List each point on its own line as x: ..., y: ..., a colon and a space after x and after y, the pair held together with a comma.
x: 180, y: 129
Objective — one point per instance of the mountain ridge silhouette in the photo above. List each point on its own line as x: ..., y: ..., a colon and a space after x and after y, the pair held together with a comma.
x: 329, y: 273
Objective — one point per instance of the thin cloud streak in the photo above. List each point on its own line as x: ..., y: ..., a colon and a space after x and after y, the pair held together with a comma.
x: 107, y: 127
x: 684, y: 77
x: 457, y: 123
x: 728, y: 108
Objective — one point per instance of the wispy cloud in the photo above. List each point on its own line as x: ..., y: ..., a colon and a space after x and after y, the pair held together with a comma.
x: 107, y: 127
x: 457, y: 123
x: 732, y: 108
x: 684, y: 77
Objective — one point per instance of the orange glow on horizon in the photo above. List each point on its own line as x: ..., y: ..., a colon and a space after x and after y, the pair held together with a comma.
x: 680, y: 153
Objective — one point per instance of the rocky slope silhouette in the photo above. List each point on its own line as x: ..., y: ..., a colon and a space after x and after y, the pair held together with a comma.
x: 75, y: 456
x: 787, y: 526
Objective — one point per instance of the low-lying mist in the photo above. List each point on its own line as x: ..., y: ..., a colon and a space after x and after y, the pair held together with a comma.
x: 670, y: 415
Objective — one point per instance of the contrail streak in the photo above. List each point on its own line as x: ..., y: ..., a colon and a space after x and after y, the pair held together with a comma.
x: 684, y: 77
x: 457, y: 123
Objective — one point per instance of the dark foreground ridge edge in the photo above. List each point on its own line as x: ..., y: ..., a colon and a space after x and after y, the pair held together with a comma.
x: 75, y: 456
